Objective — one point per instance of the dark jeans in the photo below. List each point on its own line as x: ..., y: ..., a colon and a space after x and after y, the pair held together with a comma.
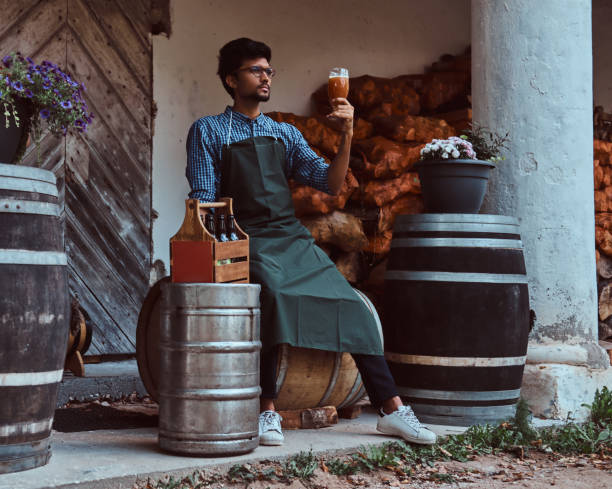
x: 375, y: 374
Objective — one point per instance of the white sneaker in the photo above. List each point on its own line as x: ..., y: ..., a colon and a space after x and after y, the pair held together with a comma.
x: 405, y: 424
x: 270, y: 432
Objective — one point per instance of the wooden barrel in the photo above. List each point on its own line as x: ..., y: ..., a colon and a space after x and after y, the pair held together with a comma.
x: 456, y: 316
x: 305, y: 378
x: 33, y: 314
x: 209, y: 368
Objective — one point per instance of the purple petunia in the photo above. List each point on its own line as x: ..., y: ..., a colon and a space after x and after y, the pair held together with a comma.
x: 17, y: 86
x: 44, y: 113
x: 7, y: 61
x: 28, y: 93
x: 30, y: 60
x: 66, y: 104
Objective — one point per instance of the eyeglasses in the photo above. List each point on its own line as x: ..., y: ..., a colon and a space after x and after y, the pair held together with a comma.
x: 258, y: 71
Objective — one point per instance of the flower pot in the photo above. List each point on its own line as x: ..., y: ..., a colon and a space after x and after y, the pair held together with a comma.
x: 13, y: 139
x: 453, y: 186
x: 33, y: 314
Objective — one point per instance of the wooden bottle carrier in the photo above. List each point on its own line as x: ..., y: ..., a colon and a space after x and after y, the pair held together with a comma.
x: 195, y: 254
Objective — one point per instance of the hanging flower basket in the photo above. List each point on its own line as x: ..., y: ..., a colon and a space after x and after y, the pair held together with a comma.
x: 31, y: 94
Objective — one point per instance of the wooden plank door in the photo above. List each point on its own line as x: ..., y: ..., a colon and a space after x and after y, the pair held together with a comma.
x: 104, y: 175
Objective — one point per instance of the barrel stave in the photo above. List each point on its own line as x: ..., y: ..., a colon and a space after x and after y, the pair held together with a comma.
x: 34, y: 314
x: 440, y: 319
x: 457, y: 315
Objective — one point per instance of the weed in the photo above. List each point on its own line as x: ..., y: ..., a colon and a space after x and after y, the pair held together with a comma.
x: 377, y: 457
x: 436, y: 476
x: 601, y: 408
x: 514, y: 435
x: 241, y: 473
x: 522, y: 422
x: 301, y: 465
x: 340, y: 467
x: 577, y: 438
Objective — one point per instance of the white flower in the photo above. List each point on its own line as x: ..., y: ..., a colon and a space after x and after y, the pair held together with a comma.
x: 445, y: 155
x: 426, y: 150
x: 455, y: 153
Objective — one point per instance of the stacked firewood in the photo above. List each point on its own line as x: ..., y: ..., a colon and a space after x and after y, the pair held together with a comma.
x: 394, y: 118
x: 602, y: 172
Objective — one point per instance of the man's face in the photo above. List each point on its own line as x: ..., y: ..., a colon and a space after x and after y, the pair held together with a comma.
x: 248, y: 84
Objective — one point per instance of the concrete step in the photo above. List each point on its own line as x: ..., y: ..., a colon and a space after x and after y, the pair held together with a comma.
x: 106, y: 379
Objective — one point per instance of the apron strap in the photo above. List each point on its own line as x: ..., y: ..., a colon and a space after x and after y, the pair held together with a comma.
x: 229, y: 132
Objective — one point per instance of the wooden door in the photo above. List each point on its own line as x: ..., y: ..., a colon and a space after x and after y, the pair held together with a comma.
x: 104, y: 175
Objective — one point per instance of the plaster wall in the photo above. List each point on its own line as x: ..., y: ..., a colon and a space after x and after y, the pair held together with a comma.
x: 307, y: 38
x: 602, y: 53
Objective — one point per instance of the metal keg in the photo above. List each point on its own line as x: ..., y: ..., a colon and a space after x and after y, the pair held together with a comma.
x: 209, y: 368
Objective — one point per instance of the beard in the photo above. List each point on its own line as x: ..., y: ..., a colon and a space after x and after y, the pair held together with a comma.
x: 261, y: 97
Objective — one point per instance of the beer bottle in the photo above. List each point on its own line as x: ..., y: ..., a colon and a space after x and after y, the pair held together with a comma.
x: 209, y: 223
x: 222, y: 236
x: 232, y: 228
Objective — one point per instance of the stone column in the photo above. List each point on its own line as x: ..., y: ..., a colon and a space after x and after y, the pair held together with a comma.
x: 532, y: 77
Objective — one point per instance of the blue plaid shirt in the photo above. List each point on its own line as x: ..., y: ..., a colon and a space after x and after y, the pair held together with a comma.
x: 208, y: 135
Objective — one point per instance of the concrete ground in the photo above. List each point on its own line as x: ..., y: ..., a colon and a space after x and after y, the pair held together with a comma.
x: 114, y: 459
x: 112, y: 379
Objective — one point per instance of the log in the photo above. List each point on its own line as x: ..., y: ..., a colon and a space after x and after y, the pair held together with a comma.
x: 379, y: 244
x: 375, y: 284
x: 604, y: 220
x: 459, y: 119
x: 308, y: 419
x: 314, y: 129
x: 605, y: 302
x: 349, y: 265
x: 408, y: 128
x: 602, y: 151
x: 309, y: 201
x: 444, y: 91
x: 603, y: 238
x: 381, y: 192
x: 407, y: 204
x: 604, y: 266
x: 601, y: 201
x: 449, y: 62
x: 383, y: 158
x: 598, y: 175
x: 340, y: 229
x: 362, y: 129
x: 602, y: 124
x: 605, y: 330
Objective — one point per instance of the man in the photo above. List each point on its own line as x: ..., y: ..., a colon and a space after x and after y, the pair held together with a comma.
x: 305, y: 301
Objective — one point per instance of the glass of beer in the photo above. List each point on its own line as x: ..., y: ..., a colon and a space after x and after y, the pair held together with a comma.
x: 338, y: 84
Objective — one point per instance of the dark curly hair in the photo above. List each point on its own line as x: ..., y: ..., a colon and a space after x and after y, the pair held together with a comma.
x: 234, y: 53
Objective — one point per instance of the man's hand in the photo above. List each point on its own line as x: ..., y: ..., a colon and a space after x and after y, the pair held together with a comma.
x: 342, y: 115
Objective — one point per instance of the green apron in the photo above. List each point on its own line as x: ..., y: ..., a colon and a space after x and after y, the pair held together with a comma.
x: 305, y: 301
